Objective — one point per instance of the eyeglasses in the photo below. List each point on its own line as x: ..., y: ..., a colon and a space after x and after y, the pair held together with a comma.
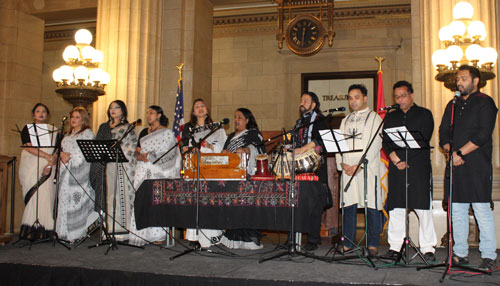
x: 401, y: 96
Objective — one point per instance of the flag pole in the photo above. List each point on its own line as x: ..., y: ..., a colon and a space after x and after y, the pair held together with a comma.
x: 383, y: 157
x: 380, y: 60
x: 179, y: 68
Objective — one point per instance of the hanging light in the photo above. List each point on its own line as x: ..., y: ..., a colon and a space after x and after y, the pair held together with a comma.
x: 88, y: 53
x: 462, y: 45
x: 71, y: 53
x: 83, y: 36
x: 463, y: 10
x: 80, y: 81
x: 477, y: 30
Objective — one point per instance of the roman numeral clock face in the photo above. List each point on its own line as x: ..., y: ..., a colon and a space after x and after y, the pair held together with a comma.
x: 304, y: 35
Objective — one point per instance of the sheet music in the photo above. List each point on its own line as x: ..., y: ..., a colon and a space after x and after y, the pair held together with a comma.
x: 398, y: 140
x: 328, y: 140
x: 43, y: 133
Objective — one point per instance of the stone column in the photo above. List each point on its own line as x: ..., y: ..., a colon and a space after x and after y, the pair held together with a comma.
x: 427, y: 18
x: 21, y: 52
x: 187, y: 38
x: 129, y: 35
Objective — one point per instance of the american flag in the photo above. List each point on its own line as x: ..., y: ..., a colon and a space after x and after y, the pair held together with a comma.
x: 179, y: 111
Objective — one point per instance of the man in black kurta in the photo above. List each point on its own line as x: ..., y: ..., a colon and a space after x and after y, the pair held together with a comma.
x: 307, y: 138
x: 471, y: 148
x: 420, y: 123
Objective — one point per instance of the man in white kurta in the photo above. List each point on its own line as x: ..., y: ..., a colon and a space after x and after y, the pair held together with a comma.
x: 360, y: 127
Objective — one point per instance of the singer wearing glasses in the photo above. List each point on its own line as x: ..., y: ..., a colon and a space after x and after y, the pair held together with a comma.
x: 31, y: 159
x: 75, y: 212
x: 154, y: 142
x: 200, y: 125
x: 105, y: 177
x: 420, y: 123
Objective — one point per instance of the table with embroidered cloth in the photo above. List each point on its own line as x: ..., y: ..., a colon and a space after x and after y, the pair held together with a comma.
x: 226, y: 204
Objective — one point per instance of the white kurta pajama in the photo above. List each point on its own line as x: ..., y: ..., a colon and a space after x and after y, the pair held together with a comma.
x: 362, y: 125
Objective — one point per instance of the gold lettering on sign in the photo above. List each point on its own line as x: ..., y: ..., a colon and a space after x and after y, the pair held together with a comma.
x: 334, y: 97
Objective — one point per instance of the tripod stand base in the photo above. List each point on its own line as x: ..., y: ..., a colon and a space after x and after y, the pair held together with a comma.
x: 52, y: 237
x: 453, y: 265
x: 293, y: 252
x: 196, y: 248
x: 404, y: 252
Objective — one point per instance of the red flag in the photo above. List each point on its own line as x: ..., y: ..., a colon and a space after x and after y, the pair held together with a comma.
x: 384, y: 159
x: 381, y: 104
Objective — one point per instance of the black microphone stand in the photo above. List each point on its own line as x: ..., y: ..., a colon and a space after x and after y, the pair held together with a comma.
x: 54, y: 237
x: 292, y: 249
x: 195, y: 146
x: 363, y: 161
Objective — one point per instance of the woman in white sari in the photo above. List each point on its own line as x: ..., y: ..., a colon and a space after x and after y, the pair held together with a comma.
x: 37, y: 163
x: 106, y: 177
x: 153, y: 143
x: 196, y: 129
x: 75, y: 212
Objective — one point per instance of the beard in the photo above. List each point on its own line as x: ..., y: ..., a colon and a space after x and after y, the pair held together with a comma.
x: 466, y: 90
x: 303, y: 110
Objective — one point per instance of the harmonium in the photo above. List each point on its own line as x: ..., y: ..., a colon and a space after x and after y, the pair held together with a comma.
x: 215, y: 166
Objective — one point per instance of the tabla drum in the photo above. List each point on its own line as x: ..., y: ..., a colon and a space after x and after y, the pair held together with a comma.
x: 281, y: 163
x: 307, y: 162
x: 262, y: 165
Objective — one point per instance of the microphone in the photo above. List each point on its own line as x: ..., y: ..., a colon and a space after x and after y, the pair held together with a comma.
x: 336, y: 109
x: 64, y: 118
x: 138, y: 121
x: 129, y: 129
x: 212, y: 125
x: 394, y: 106
x: 456, y: 95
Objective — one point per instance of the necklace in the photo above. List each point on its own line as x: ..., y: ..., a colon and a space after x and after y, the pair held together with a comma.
x: 151, y: 129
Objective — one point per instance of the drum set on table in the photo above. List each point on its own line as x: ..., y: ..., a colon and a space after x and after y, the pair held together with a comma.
x: 281, y: 162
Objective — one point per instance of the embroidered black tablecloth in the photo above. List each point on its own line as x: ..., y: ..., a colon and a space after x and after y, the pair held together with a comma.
x: 226, y: 204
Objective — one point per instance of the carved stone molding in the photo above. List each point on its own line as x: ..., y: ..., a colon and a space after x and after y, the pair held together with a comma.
x: 62, y: 33
x: 339, y: 13
x: 344, y: 19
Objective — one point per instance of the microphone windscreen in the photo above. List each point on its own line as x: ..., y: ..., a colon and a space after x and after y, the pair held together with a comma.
x: 457, y: 93
x: 225, y: 121
x: 139, y: 121
x: 342, y: 108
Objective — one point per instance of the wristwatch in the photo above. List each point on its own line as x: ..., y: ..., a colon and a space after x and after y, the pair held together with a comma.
x: 459, y: 153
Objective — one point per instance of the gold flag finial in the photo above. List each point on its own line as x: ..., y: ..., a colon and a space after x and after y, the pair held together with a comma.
x: 179, y: 67
x: 380, y: 60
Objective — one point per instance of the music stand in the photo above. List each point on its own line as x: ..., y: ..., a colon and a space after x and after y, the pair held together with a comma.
x: 335, y: 142
x: 104, y: 151
x: 401, y: 137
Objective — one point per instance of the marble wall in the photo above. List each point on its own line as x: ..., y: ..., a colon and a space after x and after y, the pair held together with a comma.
x: 249, y: 70
x: 21, y: 53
